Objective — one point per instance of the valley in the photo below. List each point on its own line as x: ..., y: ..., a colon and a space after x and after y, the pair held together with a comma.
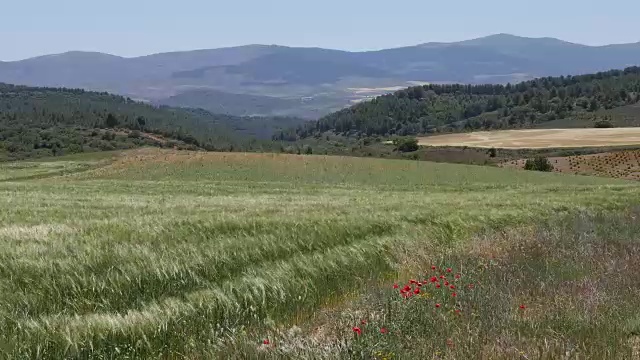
x: 279, y: 76
x: 459, y: 200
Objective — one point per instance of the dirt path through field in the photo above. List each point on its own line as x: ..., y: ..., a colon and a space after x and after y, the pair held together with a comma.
x: 538, y: 138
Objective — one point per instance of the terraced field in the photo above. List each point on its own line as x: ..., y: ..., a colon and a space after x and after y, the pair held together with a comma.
x: 166, y: 254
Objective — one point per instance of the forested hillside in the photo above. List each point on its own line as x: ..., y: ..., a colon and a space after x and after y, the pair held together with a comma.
x: 49, y: 121
x: 455, y: 107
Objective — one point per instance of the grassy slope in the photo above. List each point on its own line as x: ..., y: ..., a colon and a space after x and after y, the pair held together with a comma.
x: 167, y: 253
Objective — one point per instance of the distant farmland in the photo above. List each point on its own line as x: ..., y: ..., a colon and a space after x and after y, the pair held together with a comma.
x: 538, y: 138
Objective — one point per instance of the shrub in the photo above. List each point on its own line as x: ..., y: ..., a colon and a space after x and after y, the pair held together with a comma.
x: 111, y: 121
x: 308, y: 150
x: 603, y: 124
x: 289, y: 150
x: 106, y: 146
x: 539, y: 163
x: 406, y: 144
x: 108, y: 136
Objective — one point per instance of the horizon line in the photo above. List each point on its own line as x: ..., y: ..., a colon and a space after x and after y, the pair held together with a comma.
x: 315, y: 47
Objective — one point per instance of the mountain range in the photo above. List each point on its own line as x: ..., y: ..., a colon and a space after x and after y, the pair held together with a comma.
x: 311, y: 82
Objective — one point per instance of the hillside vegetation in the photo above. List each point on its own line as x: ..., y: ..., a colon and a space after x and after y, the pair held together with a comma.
x: 448, y: 108
x: 49, y: 121
x: 167, y: 254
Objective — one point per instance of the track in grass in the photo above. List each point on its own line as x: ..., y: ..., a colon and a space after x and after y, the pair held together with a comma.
x: 538, y: 138
x: 164, y: 253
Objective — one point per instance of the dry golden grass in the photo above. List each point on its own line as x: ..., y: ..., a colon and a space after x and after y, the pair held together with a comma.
x: 538, y: 138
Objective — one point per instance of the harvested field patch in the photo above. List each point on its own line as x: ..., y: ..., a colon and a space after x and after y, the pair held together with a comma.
x: 538, y: 138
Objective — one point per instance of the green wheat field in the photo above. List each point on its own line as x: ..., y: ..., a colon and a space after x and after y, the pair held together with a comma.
x: 192, y: 255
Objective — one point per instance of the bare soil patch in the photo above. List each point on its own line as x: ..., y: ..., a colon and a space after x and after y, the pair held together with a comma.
x: 619, y: 164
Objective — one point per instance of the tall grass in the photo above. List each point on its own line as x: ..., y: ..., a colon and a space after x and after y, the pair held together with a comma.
x: 566, y: 289
x: 169, y: 254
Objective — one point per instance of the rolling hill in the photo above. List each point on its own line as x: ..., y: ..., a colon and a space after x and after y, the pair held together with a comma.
x: 163, y: 254
x: 288, y: 73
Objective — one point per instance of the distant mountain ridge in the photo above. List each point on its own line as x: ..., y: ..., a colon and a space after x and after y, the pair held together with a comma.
x: 333, y: 78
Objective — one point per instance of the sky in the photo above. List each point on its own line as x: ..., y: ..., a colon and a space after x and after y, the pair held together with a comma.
x: 140, y: 27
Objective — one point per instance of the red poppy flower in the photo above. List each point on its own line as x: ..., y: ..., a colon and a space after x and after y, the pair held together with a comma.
x: 412, y: 281
x: 457, y: 311
x: 437, y: 286
x: 446, y: 283
x: 471, y: 286
x: 523, y: 306
x: 416, y: 291
x: 458, y: 276
x: 449, y: 270
x: 454, y: 294
x: 357, y: 330
x: 433, y: 267
x: 383, y: 330
x: 363, y: 322
x: 442, y: 276
x: 437, y: 305
x: 265, y: 341
x: 434, y: 279
x: 452, y: 287
x: 406, y: 288
x: 395, y: 286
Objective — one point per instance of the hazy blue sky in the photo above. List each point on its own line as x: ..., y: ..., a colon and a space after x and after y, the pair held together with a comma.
x: 138, y: 27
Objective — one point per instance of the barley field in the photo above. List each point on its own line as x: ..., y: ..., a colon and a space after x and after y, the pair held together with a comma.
x: 165, y: 254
